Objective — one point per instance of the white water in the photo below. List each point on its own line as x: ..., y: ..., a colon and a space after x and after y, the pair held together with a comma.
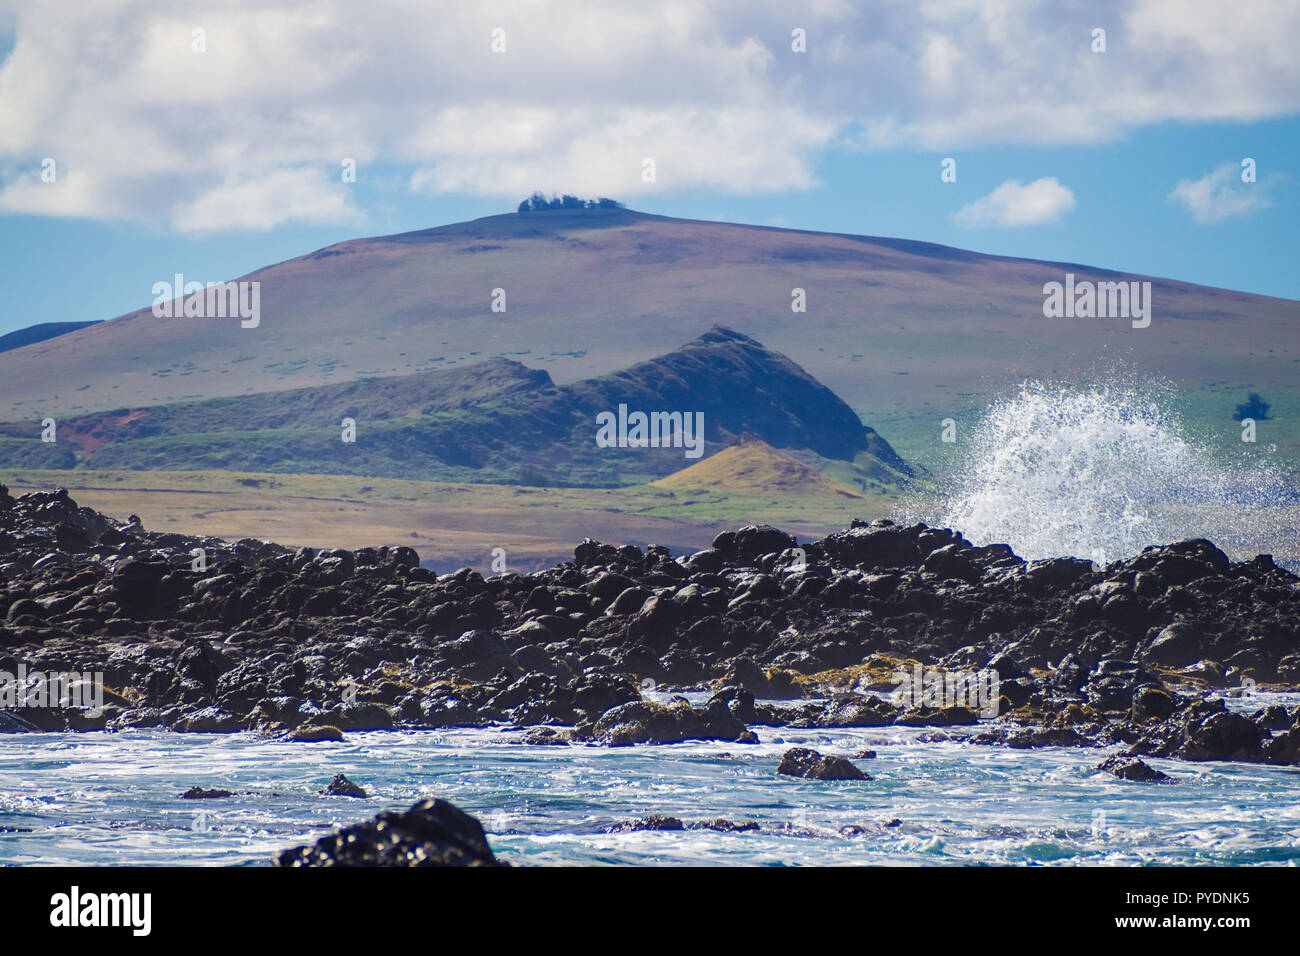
x: 1102, y: 472
x: 112, y: 799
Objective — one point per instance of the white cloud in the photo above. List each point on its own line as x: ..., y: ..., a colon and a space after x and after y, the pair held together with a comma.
x: 250, y: 133
x: 1018, y: 204
x: 1219, y: 194
x: 953, y: 73
x: 595, y: 152
x: 280, y: 196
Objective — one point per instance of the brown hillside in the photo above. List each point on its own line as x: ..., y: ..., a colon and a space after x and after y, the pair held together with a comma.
x: 892, y: 325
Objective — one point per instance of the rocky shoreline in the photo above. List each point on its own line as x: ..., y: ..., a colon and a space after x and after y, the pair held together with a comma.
x: 310, y: 645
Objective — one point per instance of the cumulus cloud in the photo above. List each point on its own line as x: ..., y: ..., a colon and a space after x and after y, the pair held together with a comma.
x: 1219, y: 194
x: 1018, y: 204
x: 250, y: 133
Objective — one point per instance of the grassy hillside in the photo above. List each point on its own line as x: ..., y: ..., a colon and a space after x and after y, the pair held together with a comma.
x: 39, y: 333
x: 906, y: 332
x: 496, y: 421
x: 753, y: 467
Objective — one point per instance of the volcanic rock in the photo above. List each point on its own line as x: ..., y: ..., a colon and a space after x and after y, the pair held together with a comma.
x: 645, y: 722
x: 341, y: 786
x: 431, y: 833
x: 802, y: 762
x: 198, y: 793
x: 1131, y: 768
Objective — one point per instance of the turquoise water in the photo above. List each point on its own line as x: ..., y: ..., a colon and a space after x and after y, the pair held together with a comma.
x: 112, y: 799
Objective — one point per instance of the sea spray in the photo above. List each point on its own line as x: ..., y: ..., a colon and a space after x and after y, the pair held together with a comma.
x: 1101, y: 473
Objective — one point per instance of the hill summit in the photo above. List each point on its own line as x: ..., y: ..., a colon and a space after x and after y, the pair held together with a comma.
x: 539, y: 203
x: 740, y: 386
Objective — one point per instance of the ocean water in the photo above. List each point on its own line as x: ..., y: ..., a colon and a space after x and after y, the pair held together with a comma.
x: 106, y: 799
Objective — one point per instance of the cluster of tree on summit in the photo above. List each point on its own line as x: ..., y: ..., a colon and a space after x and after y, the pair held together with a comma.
x: 539, y: 203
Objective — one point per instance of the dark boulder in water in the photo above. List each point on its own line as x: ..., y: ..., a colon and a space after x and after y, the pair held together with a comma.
x: 341, y: 786
x: 646, y: 722
x: 431, y: 833
x: 654, y: 821
x: 1131, y: 768
x: 316, y: 733
x: 722, y: 825
x: 738, y: 701
x: 651, y: 821
x: 198, y: 793
x: 802, y: 762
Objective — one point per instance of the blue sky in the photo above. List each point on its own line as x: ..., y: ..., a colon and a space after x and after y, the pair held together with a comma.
x: 173, y: 160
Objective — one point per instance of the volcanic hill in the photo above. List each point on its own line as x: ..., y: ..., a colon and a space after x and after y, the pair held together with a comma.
x: 494, y: 421
x: 904, y: 331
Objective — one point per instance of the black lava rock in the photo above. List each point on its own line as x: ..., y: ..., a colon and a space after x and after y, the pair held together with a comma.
x: 341, y: 786
x: 431, y: 833
x: 802, y: 762
x: 1131, y: 768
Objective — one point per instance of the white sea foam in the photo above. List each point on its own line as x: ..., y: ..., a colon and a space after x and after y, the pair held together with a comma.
x: 1101, y: 473
x: 114, y: 800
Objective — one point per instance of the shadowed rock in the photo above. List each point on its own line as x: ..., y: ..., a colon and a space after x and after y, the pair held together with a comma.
x: 1204, y: 730
x: 341, y: 786
x: 11, y: 723
x: 1131, y: 768
x: 304, y: 644
x: 316, y: 733
x: 646, y: 722
x: 431, y: 833
x: 198, y: 793
x: 649, y: 822
x: 802, y: 762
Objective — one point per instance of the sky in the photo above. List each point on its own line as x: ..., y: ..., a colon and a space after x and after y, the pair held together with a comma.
x: 138, y: 141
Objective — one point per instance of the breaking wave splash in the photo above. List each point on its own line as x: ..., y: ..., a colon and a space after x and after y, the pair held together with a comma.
x: 1102, y: 472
